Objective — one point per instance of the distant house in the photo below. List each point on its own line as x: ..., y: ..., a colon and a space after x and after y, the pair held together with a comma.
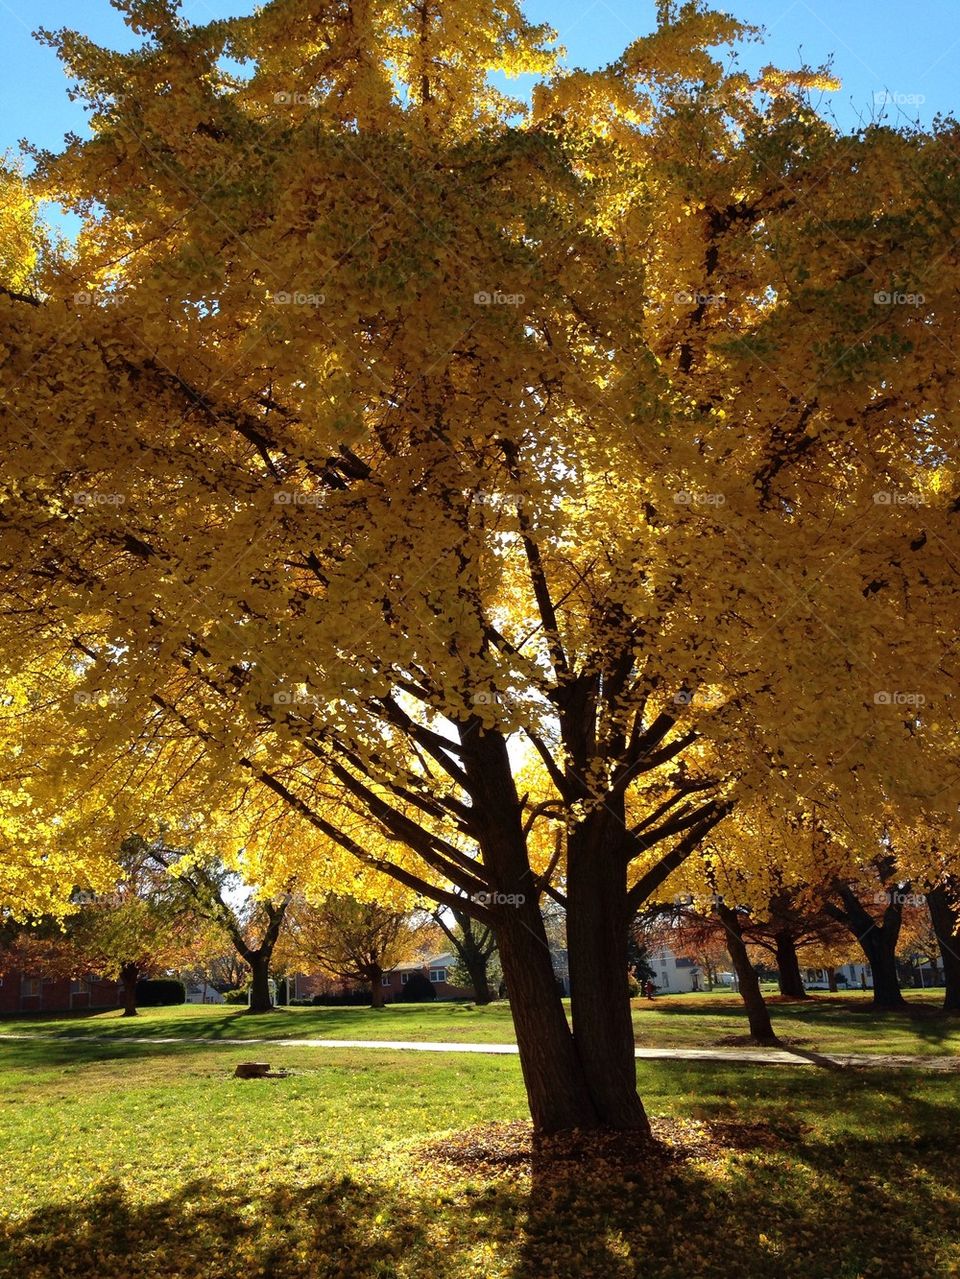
x: 674, y: 974
x: 22, y: 992
x: 203, y: 993
x: 437, y: 971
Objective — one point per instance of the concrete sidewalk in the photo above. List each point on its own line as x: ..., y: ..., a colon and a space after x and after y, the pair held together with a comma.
x: 749, y: 1056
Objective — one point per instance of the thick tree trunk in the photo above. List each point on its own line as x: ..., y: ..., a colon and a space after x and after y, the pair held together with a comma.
x: 375, y: 978
x: 129, y: 975
x: 476, y: 966
x: 945, y: 919
x: 879, y: 950
x: 832, y: 980
x: 877, y: 940
x: 260, y: 1001
x: 552, y: 1072
x: 597, y: 925
x: 758, y: 1014
x: 789, y: 977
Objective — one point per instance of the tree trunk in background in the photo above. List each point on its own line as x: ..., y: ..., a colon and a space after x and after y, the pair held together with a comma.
x: 375, y: 977
x: 789, y: 977
x: 129, y: 975
x: 945, y: 918
x: 260, y: 1001
x: 758, y: 1014
x: 597, y: 927
x: 877, y: 940
x: 832, y: 980
x: 476, y: 966
x: 880, y: 952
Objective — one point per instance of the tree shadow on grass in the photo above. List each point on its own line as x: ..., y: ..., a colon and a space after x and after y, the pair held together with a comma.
x: 334, y: 1228
x: 752, y: 1200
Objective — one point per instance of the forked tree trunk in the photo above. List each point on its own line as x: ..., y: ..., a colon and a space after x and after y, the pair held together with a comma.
x: 789, y: 977
x: 878, y: 940
x: 129, y: 975
x: 260, y: 1001
x: 597, y: 928
x: 556, y: 1085
x: 758, y: 1014
x: 945, y: 919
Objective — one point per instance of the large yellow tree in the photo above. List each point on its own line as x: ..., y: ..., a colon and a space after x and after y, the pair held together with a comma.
x: 382, y: 436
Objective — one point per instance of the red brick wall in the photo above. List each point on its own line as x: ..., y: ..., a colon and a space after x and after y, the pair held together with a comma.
x: 55, y: 995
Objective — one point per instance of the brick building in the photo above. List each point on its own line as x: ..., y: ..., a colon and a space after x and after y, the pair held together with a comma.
x: 22, y: 992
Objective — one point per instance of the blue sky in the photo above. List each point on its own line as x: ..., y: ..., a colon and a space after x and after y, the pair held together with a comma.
x: 908, y: 49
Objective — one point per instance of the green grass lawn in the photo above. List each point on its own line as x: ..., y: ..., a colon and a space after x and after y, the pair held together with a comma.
x: 826, y: 1023
x: 151, y: 1161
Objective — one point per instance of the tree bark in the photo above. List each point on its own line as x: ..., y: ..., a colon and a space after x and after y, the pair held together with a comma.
x: 375, y: 977
x: 597, y: 926
x: 260, y: 1001
x: 129, y: 975
x: 877, y: 940
x: 946, y: 919
x: 553, y: 1073
x: 832, y: 980
x: 556, y: 1085
x: 758, y: 1014
x: 476, y: 966
x: 789, y: 977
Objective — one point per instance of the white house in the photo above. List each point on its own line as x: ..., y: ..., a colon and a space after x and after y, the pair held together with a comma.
x: 674, y: 974
x: 203, y: 993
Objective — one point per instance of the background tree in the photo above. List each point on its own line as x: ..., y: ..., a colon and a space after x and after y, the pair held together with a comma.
x: 357, y: 941
x: 474, y: 945
x: 144, y: 927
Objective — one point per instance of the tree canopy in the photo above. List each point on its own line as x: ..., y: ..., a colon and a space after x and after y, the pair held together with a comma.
x: 423, y: 475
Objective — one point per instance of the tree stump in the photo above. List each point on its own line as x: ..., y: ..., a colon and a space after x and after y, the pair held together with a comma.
x: 252, y: 1070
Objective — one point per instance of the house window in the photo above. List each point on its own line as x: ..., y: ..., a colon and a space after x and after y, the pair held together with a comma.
x: 80, y: 987
x: 404, y: 978
x: 30, y: 987
x: 384, y: 980
x: 438, y: 974
x: 684, y: 963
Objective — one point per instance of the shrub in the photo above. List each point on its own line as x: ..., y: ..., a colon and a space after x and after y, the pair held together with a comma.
x: 418, y: 990
x: 348, y: 998
x: 234, y: 996
x: 161, y: 992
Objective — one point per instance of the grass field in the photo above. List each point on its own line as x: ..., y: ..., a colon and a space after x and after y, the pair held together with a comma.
x: 149, y: 1160
x: 826, y: 1023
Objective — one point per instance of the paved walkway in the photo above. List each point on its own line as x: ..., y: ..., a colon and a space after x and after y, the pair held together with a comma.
x: 754, y: 1056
